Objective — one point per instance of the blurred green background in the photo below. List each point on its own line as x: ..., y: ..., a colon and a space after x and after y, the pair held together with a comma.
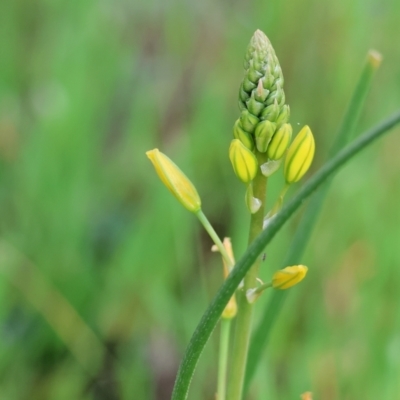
x: 104, y: 276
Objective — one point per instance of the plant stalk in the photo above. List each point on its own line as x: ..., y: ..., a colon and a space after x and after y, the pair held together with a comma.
x: 208, y: 227
x: 310, y: 217
x: 223, y: 357
x: 245, y: 309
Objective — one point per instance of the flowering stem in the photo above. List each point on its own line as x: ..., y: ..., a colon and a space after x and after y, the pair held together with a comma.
x: 208, y: 227
x: 310, y: 217
x: 245, y: 310
x: 262, y: 287
x: 212, y: 315
x: 223, y: 357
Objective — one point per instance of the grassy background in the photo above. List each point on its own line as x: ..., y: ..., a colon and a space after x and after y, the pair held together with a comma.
x: 85, y: 89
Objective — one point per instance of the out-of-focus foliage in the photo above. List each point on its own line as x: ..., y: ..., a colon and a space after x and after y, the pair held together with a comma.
x: 103, y: 275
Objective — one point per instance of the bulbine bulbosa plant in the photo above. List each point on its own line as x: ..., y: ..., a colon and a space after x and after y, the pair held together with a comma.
x: 261, y: 144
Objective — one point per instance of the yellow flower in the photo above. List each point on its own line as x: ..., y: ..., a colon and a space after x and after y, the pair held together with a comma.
x: 175, y: 180
x: 299, y: 155
x: 244, y: 162
x: 289, y: 276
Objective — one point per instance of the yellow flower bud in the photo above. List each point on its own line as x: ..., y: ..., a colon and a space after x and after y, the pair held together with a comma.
x: 175, y: 180
x: 289, y: 276
x: 242, y: 135
x: 299, y: 156
x: 244, y: 162
x: 279, y: 142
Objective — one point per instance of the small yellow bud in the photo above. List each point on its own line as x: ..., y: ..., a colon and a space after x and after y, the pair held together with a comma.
x: 289, y: 276
x: 299, y: 156
x: 244, y: 162
x: 279, y: 142
x: 175, y: 180
x: 242, y: 135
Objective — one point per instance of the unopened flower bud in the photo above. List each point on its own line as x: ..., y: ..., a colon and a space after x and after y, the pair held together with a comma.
x: 244, y: 162
x: 248, y: 121
x: 283, y: 115
x: 242, y: 135
x: 261, y: 94
x: 299, y: 155
x: 263, y: 134
x: 255, y: 107
x: 279, y: 142
x: 262, y: 85
x: 175, y: 180
x: 289, y: 276
x: 271, y: 112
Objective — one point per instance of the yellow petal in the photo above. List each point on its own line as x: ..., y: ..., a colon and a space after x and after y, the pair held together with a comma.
x: 289, y: 276
x: 175, y: 180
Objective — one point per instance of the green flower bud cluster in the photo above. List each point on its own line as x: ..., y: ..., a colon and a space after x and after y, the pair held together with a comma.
x: 262, y: 126
x: 261, y: 95
x: 262, y: 134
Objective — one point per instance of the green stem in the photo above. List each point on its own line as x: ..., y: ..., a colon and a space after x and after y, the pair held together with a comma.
x: 304, y: 230
x: 212, y: 315
x: 223, y: 357
x: 262, y: 287
x: 245, y: 309
x: 253, y: 294
x: 208, y: 227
